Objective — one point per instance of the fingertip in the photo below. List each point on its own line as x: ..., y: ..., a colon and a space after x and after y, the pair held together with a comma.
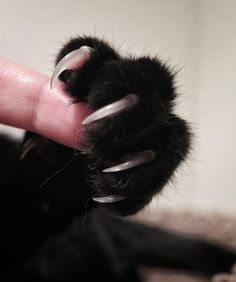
x: 58, y: 119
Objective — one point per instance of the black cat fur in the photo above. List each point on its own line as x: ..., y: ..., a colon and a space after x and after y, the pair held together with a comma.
x: 53, y: 230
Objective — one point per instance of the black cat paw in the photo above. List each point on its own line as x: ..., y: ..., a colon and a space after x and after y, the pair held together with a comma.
x: 134, y: 139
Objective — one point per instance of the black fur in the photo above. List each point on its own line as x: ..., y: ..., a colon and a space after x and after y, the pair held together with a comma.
x: 52, y: 230
x: 151, y: 124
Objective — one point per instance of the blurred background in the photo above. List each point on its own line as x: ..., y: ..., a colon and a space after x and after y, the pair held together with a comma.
x: 198, y: 37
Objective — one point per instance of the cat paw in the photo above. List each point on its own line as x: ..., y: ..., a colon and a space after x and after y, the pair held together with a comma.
x: 134, y: 139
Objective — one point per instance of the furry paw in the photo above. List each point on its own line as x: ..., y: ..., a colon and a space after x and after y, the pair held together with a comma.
x: 134, y: 140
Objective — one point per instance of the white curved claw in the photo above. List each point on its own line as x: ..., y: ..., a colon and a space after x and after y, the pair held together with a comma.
x: 31, y: 143
x: 70, y: 61
x: 133, y: 160
x: 108, y: 199
x: 120, y: 105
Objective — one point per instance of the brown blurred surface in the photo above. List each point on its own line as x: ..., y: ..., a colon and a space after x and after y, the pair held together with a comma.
x: 209, y: 225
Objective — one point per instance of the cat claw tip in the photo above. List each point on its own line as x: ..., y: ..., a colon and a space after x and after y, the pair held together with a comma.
x: 108, y: 199
x: 113, y: 108
x: 133, y: 161
x: 72, y: 60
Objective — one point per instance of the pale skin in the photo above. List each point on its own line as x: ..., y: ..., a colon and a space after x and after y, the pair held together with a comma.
x: 27, y: 102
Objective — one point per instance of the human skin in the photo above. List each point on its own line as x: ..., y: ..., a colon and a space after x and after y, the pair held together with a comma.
x: 27, y: 102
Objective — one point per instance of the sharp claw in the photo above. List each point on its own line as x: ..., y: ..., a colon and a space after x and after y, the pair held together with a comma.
x: 29, y: 145
x: 108, y: 199
x: 70, y: 61
x: 132, y: 161
x: 120, y: 105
